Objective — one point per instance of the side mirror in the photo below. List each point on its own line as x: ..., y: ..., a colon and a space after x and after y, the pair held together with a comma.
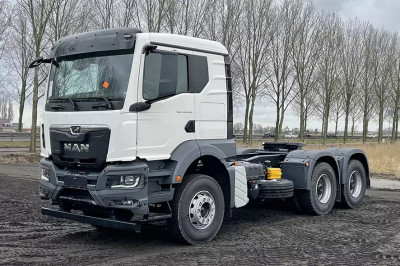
x: 139, y: 107
x: 38, y: 61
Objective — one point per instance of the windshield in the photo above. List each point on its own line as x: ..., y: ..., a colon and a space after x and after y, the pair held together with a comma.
x: 104, y: 76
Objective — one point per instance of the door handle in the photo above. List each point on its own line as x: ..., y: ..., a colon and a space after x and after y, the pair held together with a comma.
x: 190, y: 126
x: 139, y: 107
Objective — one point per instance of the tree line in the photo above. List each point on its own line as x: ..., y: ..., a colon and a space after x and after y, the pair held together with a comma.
x: 283, y: 52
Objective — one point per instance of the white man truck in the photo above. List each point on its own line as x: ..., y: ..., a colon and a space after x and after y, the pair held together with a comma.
x: 137, y: 127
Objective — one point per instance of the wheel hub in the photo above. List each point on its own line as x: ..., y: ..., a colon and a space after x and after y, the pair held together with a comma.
x: 355, y: 184
x: 323, y: 188
x: 202, y: 210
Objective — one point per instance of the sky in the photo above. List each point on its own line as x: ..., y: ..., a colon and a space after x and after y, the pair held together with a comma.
x: 381, y: 13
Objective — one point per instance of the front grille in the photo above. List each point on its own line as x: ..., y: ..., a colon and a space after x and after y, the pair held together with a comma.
x: 79, y: 195
x: 89, y: 181
x: 86, y: 149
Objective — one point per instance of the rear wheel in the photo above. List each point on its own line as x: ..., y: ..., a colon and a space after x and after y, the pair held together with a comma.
x: 353, y: 192
x: 321, y: 197
x: 197, y: 209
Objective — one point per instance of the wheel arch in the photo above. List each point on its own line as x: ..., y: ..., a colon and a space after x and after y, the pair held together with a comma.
x: 207, y: 158
x: 345, y: 155
x: 299, y: 166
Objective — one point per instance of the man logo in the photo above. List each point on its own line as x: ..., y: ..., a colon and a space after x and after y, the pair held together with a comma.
x: 76, y: 147
x: 75, y: 130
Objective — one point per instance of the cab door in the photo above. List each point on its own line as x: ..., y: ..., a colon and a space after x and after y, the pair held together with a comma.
x: 165, y: 106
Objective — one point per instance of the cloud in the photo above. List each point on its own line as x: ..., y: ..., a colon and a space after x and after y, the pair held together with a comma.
x: 380, y: 13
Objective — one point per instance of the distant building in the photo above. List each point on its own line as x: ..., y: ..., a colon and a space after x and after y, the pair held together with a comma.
x: 6, y: 126
x: 15, y: 126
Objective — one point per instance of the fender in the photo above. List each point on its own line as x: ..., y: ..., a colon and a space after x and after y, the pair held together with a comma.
x: 344, y: 155
x: 189, y: 151
x: 184, y: 155
x: 295, y: 168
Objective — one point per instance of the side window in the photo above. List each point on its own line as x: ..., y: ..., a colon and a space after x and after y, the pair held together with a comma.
x: 198, y: 73
x: 164, y: 75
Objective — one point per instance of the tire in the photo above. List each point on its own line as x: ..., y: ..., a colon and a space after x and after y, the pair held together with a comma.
x: 320, y: 199
x: 189, y: 199
x: 275, y: 189
x: 353, y: 191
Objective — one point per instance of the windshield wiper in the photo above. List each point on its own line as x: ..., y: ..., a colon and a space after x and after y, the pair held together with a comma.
x: 59, y: 107
x: 108, y: 106
x: 74, y: 105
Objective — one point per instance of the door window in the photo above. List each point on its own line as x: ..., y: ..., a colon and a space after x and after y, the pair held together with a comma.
x: 164, y: 75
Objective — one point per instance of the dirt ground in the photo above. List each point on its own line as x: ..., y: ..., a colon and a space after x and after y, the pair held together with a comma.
x: 270, y: 235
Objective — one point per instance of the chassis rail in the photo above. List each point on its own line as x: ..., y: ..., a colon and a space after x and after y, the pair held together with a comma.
x: 109, y: 223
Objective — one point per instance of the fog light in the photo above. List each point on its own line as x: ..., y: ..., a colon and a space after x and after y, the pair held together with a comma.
x: 43, y: 193
x: 45, y: 175
x: 126, y: 202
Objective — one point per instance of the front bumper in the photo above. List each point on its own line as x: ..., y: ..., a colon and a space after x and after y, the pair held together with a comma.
x: 98, y: 193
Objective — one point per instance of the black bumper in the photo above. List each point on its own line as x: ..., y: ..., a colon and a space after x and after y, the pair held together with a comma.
x: 92, y: 220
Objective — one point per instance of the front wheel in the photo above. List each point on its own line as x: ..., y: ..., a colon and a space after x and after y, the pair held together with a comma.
x: 321, y: 197
x: 197, y: 209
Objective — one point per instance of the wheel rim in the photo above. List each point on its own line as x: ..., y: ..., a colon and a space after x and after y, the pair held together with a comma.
x: 202, y: 210
x: 323, y: 188
x: 355, y: 184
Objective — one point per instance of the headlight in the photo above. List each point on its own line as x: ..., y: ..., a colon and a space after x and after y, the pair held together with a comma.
x: 45, y: 175
x: 128, y: 181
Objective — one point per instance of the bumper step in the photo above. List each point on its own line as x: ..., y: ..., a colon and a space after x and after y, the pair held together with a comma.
x: 109, y: 223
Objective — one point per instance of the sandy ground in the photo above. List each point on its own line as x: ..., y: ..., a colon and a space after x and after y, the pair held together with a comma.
x: 268, y: 235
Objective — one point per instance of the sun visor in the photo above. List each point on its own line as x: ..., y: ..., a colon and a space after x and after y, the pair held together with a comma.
x: 95, y: 41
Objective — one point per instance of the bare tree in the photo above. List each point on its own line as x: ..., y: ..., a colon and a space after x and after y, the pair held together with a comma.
x: 385, y: 55
x: 68, y: 17
x: 328, y: 68
x: 39, y: 12
x: 20, y: 53
x: 187, y: 17
x: 128, y: 14
x: 351, y: 53
x: 280, y: 89
x: 223, y: 23
x: 252, y: 55
x: 306, y: 52
x: 395, y: 91
x: 105, y: 13
x: 153, y: 13
x: 368, y: 77
x: 10, y: 111
x: 5, y: 20
x: 337, y: 110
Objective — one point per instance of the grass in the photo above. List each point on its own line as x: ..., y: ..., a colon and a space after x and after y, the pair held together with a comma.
x: 17, y: 144
x: 384, y: 158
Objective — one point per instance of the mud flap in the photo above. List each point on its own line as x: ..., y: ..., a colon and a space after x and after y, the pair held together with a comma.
x: 241, y: 198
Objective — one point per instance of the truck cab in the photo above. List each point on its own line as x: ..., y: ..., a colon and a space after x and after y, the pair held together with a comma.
x: 138, y: 127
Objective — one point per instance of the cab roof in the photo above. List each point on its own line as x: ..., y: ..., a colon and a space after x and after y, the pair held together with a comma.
x: 124, y: 38
x: 186, y: 42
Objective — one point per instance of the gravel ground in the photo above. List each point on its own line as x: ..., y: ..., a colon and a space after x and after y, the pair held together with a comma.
x: 270, y: 234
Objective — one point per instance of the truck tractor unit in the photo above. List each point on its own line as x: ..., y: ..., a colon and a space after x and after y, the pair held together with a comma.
x: 137, y: 127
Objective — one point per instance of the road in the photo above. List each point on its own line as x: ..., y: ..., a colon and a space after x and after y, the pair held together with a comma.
x: 270, y: 234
